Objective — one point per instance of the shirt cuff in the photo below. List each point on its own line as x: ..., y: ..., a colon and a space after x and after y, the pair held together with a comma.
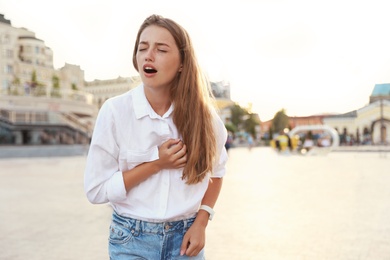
x: 116, y: 190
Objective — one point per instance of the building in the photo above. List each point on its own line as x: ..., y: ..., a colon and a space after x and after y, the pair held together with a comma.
x: 221, y: 92
x: 367, y: 125
x: 104, y: 89
x: 27, y: 64
x: 293, y: 122
x: 38, y: 103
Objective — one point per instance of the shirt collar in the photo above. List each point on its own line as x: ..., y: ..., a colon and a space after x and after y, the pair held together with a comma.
x: 143, y: 108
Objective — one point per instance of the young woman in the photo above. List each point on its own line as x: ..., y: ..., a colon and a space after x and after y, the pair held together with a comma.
x: 157, y: 153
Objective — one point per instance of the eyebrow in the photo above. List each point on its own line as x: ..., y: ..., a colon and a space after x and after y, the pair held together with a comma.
x: 158, y: 44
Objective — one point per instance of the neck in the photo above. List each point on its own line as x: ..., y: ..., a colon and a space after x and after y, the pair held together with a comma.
x: 159, y: 100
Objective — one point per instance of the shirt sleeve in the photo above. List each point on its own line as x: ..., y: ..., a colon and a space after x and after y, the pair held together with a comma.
x: 219, y: 169
x: 103, y: 181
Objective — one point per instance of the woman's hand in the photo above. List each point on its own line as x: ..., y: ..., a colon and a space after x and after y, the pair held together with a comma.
x: 194, y: 240
x: 172, y: 154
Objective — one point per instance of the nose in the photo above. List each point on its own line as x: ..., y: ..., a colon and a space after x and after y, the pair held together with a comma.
x: 149, y: 55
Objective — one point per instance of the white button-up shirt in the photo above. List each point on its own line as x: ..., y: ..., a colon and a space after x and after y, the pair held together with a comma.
x: 127, y: 133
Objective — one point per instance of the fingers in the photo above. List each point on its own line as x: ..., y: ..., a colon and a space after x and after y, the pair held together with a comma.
x: 176, y: 147
x: 184, y: 245
x: 193, y: 242
x: 192, y: 249
x: 173, y: 154
x: 168, y: 144
x: 179, y: 150
x: 179, y: 158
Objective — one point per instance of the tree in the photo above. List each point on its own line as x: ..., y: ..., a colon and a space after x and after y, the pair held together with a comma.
x: 250, y: 124
x: 280, y: 121
x: 237, y: 113
x: 242, y: 119
x: 56, y: 86
x: 230, y: 127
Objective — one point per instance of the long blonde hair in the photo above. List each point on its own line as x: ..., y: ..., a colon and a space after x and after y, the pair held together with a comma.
x: 192, y: 98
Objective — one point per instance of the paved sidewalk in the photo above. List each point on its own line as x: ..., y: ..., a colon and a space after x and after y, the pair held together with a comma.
x: 28, y: 151
x: 272, y: 207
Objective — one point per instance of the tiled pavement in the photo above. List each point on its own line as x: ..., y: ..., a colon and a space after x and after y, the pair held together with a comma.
x: 273, y: 207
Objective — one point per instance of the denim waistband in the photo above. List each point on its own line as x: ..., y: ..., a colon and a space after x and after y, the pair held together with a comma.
x: 152, y: 227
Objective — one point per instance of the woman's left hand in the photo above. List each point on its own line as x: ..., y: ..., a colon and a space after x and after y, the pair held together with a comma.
x: 194, y: 240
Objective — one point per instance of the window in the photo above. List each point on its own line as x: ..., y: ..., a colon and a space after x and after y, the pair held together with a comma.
x: 5, y: 39
x: 5, y: 84
x: 9, y: 53
x: 9, y: 69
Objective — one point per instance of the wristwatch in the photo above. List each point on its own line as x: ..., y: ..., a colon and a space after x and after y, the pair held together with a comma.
x: 209, y: 210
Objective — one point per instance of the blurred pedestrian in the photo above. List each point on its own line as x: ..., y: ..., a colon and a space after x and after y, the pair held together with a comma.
x: 229, y: 141
x: 250, y: 141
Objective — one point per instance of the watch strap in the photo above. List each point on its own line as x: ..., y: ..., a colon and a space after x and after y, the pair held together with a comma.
x: 209, y: 210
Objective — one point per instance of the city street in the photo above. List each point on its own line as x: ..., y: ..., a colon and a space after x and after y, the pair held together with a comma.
x: 272, y: 207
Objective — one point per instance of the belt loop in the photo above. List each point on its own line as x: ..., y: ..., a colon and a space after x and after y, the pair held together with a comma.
x: 137, y: 227
x: 185, y: 222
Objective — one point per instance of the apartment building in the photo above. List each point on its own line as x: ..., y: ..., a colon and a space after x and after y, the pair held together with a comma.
x: 38, y: 103
x: 26, y: 64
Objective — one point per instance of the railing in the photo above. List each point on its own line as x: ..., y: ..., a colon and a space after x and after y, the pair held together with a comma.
x: 42, y: 118
x: 39, y: 91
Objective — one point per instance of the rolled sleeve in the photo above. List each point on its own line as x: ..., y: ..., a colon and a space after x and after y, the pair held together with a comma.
x: 116, y: 190
x: 219, y: 169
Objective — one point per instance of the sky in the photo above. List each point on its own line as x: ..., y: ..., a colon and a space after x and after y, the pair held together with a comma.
x: 307, y: 57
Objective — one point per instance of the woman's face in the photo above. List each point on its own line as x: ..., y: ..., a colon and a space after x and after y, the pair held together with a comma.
x: 158, y: 57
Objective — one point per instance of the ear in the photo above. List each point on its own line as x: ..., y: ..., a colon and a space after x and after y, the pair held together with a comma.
x: 180, y: 68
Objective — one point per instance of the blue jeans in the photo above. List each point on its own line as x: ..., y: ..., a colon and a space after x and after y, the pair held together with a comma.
x: 133, y: 239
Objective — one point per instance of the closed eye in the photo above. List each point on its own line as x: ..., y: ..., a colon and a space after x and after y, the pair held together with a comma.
x: 142, y: 46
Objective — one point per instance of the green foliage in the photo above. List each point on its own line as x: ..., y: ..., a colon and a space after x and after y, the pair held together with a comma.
x: 56, y: 86
x: 56, y: 82
x: 237, y: 115
x: 280, y: 121
x: 250, y: 124
x: 242, y: 119
x: 14, y: 89
x: 38, y: 88
x: 230, y: 127
x: 34, y: 81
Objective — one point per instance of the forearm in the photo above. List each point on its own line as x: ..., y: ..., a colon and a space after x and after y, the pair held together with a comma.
x: 171, y: 156
x: 135, y: 176
x: 210, y: 199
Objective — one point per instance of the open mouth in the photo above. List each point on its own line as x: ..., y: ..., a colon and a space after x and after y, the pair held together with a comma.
x: 148, y: 70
